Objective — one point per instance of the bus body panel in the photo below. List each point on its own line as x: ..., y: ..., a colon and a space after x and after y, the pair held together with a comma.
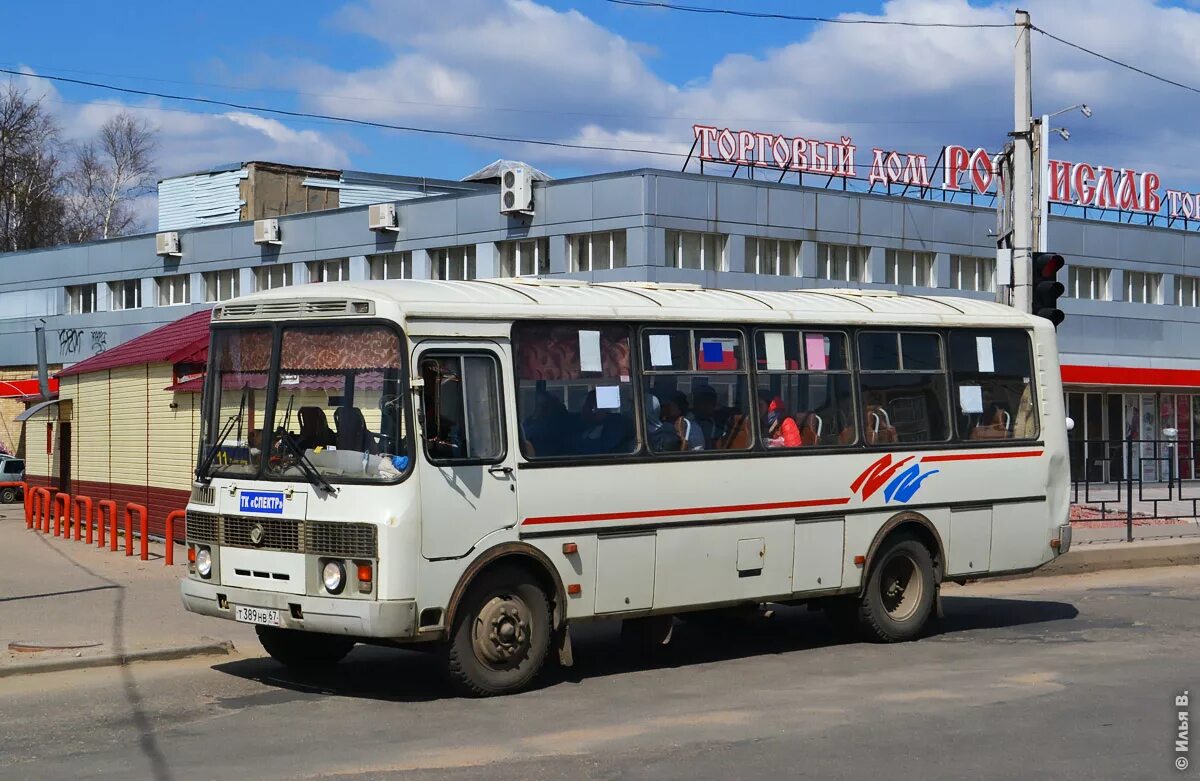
x: 699, y: 523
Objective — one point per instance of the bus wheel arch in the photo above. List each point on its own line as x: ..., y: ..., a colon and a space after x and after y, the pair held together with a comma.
x: 915, y: 524
x: 521, y: 556
x: 502, y: 622
x: 901, y: 577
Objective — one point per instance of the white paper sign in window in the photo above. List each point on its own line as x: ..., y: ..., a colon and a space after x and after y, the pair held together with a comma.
x: 983, y: 349
x: 660, y: 350
x: 773, y: 342
x: 589, y: 351
x: 970, y: 398
x: 608, y: 397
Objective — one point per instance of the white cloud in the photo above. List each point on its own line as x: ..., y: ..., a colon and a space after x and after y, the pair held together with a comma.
x: 516, y: 67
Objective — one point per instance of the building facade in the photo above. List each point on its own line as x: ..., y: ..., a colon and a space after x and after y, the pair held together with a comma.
x: 1130, y: 344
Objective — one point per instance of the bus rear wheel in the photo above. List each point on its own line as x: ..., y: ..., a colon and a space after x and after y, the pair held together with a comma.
x: 900, y: 592
x: 303, y: 649
x: 501, y: 636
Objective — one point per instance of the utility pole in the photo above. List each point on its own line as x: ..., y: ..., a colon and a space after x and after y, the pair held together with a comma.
x: 1021, y: 202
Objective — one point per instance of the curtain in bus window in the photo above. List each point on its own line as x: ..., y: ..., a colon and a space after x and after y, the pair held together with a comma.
x: 992, y: 389
x: 903, y: 385
x: 574, y: 389
x: 804, y: 378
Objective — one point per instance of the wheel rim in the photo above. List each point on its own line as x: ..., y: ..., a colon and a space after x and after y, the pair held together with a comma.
x: 501, y: 636
x: 901, y: 587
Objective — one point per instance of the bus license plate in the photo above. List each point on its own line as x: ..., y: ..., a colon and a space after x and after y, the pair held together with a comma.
x: 256, y: 615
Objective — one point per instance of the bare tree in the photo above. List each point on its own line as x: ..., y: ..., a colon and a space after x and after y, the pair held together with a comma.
x: 31, y: 177
x: 109, y: 174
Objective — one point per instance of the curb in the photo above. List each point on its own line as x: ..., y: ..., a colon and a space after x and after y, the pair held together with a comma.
x: 1096, y: 557
x: 165, y: 653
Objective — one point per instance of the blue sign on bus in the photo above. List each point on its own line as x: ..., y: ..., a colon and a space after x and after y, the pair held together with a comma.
x: 261, y: 502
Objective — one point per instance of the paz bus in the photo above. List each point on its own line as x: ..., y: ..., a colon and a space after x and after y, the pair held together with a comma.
x: 478, y: 465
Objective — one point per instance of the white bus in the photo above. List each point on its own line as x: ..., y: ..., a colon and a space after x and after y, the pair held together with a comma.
x: 479, y: 464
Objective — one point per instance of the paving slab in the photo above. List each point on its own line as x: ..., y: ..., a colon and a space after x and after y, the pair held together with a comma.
x: 65, y: 603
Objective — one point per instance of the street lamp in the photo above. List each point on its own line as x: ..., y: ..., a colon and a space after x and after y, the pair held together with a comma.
x: 1044, y: 164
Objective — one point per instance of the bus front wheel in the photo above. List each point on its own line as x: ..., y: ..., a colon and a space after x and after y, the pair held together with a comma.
x: 294, y: 648
x: 501, y: 636
x: 900, y: 592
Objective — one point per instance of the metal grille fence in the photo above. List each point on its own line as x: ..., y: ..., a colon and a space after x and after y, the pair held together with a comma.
x: 1112, y: 475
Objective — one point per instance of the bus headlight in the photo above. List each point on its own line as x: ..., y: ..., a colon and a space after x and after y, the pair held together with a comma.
x: 333, y: 574
x: 203, y: 562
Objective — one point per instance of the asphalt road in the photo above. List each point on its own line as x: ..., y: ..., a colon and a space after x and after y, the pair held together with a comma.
x: 1070, y: 677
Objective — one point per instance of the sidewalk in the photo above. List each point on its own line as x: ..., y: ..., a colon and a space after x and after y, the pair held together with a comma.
x: 89, y: 606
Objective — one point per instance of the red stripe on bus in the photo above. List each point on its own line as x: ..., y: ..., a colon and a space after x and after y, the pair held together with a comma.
x: 980, y: 456
x: 731, y: 508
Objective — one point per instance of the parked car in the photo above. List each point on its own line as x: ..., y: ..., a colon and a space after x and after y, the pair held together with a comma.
x: 12, y: 470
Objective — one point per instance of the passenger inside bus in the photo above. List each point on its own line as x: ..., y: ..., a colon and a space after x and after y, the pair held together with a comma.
x: 549, y: 428
x: 660, y: 435
x: 779, y: 428
x: 675, y: 411
x: 314, y: 429
x: 602, y: 430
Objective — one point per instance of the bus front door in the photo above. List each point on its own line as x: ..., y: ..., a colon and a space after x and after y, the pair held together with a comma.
x: 468, y: 482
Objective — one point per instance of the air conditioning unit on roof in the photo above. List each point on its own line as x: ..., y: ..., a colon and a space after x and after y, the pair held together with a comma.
x: 167, y: 244
x: 516, y: 190
x: 267, y: 231
x: 383, y: 217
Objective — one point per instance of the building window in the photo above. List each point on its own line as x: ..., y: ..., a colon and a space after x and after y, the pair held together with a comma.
x: 597, y: 251
x: 174, y: 290
x: 1142, y: 287
x: 81, y: 299
x: 453, y: 263
x: 701, y: 251
x: 274, y: 276
x: 1187, y: 291
x: 126, y: 294
x: 393, y: 265
x: 969, y: 273
x: 329, y: 270
x: 909, y: 268
x: 524, y: 258
x: 1088, y: 283
x: 775, y: 257
x: 221, y: 285
x: 841, y: 262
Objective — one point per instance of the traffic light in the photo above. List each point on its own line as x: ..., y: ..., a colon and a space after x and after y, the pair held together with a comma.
x: 1046, y: 287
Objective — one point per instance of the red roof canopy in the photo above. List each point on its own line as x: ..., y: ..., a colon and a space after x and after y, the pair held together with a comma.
x: 21, y: 389
x: 185, y: 340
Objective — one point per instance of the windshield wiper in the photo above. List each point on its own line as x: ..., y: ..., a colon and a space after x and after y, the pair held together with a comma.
x: 307, y: 467
x: 202, y: 470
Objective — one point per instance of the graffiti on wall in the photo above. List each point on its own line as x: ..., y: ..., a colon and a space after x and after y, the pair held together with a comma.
x: 70, y: 340
x: 99, y: 341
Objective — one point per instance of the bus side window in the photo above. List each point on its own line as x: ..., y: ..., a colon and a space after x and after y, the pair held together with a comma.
x: 904, y: 387
x: 462, y: 408
x: 805, y: 376
x: 992, y: 371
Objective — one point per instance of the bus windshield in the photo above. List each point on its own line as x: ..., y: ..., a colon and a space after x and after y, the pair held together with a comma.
x: 338, y: 411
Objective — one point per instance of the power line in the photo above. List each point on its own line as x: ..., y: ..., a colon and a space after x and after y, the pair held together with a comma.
x: 344, y: 120
x: 513, y: 109
x: 1114, y: 61
x: 696, y: 9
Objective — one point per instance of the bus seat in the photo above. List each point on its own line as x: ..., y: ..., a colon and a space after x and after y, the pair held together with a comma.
x: 314, y: 428
x: 352, y: 433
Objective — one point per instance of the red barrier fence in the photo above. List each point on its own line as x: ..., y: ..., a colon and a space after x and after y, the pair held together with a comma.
x: 62, y: 514
x: 132, y: 509
x: 84, y: 516
x: 111, y: 507
x: 47, y: 498
x: 169, y: 528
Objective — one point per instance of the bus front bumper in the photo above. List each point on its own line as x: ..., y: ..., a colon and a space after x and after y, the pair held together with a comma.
x: 394, y: 619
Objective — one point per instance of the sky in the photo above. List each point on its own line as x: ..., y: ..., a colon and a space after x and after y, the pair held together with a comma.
x: 596, y: 73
